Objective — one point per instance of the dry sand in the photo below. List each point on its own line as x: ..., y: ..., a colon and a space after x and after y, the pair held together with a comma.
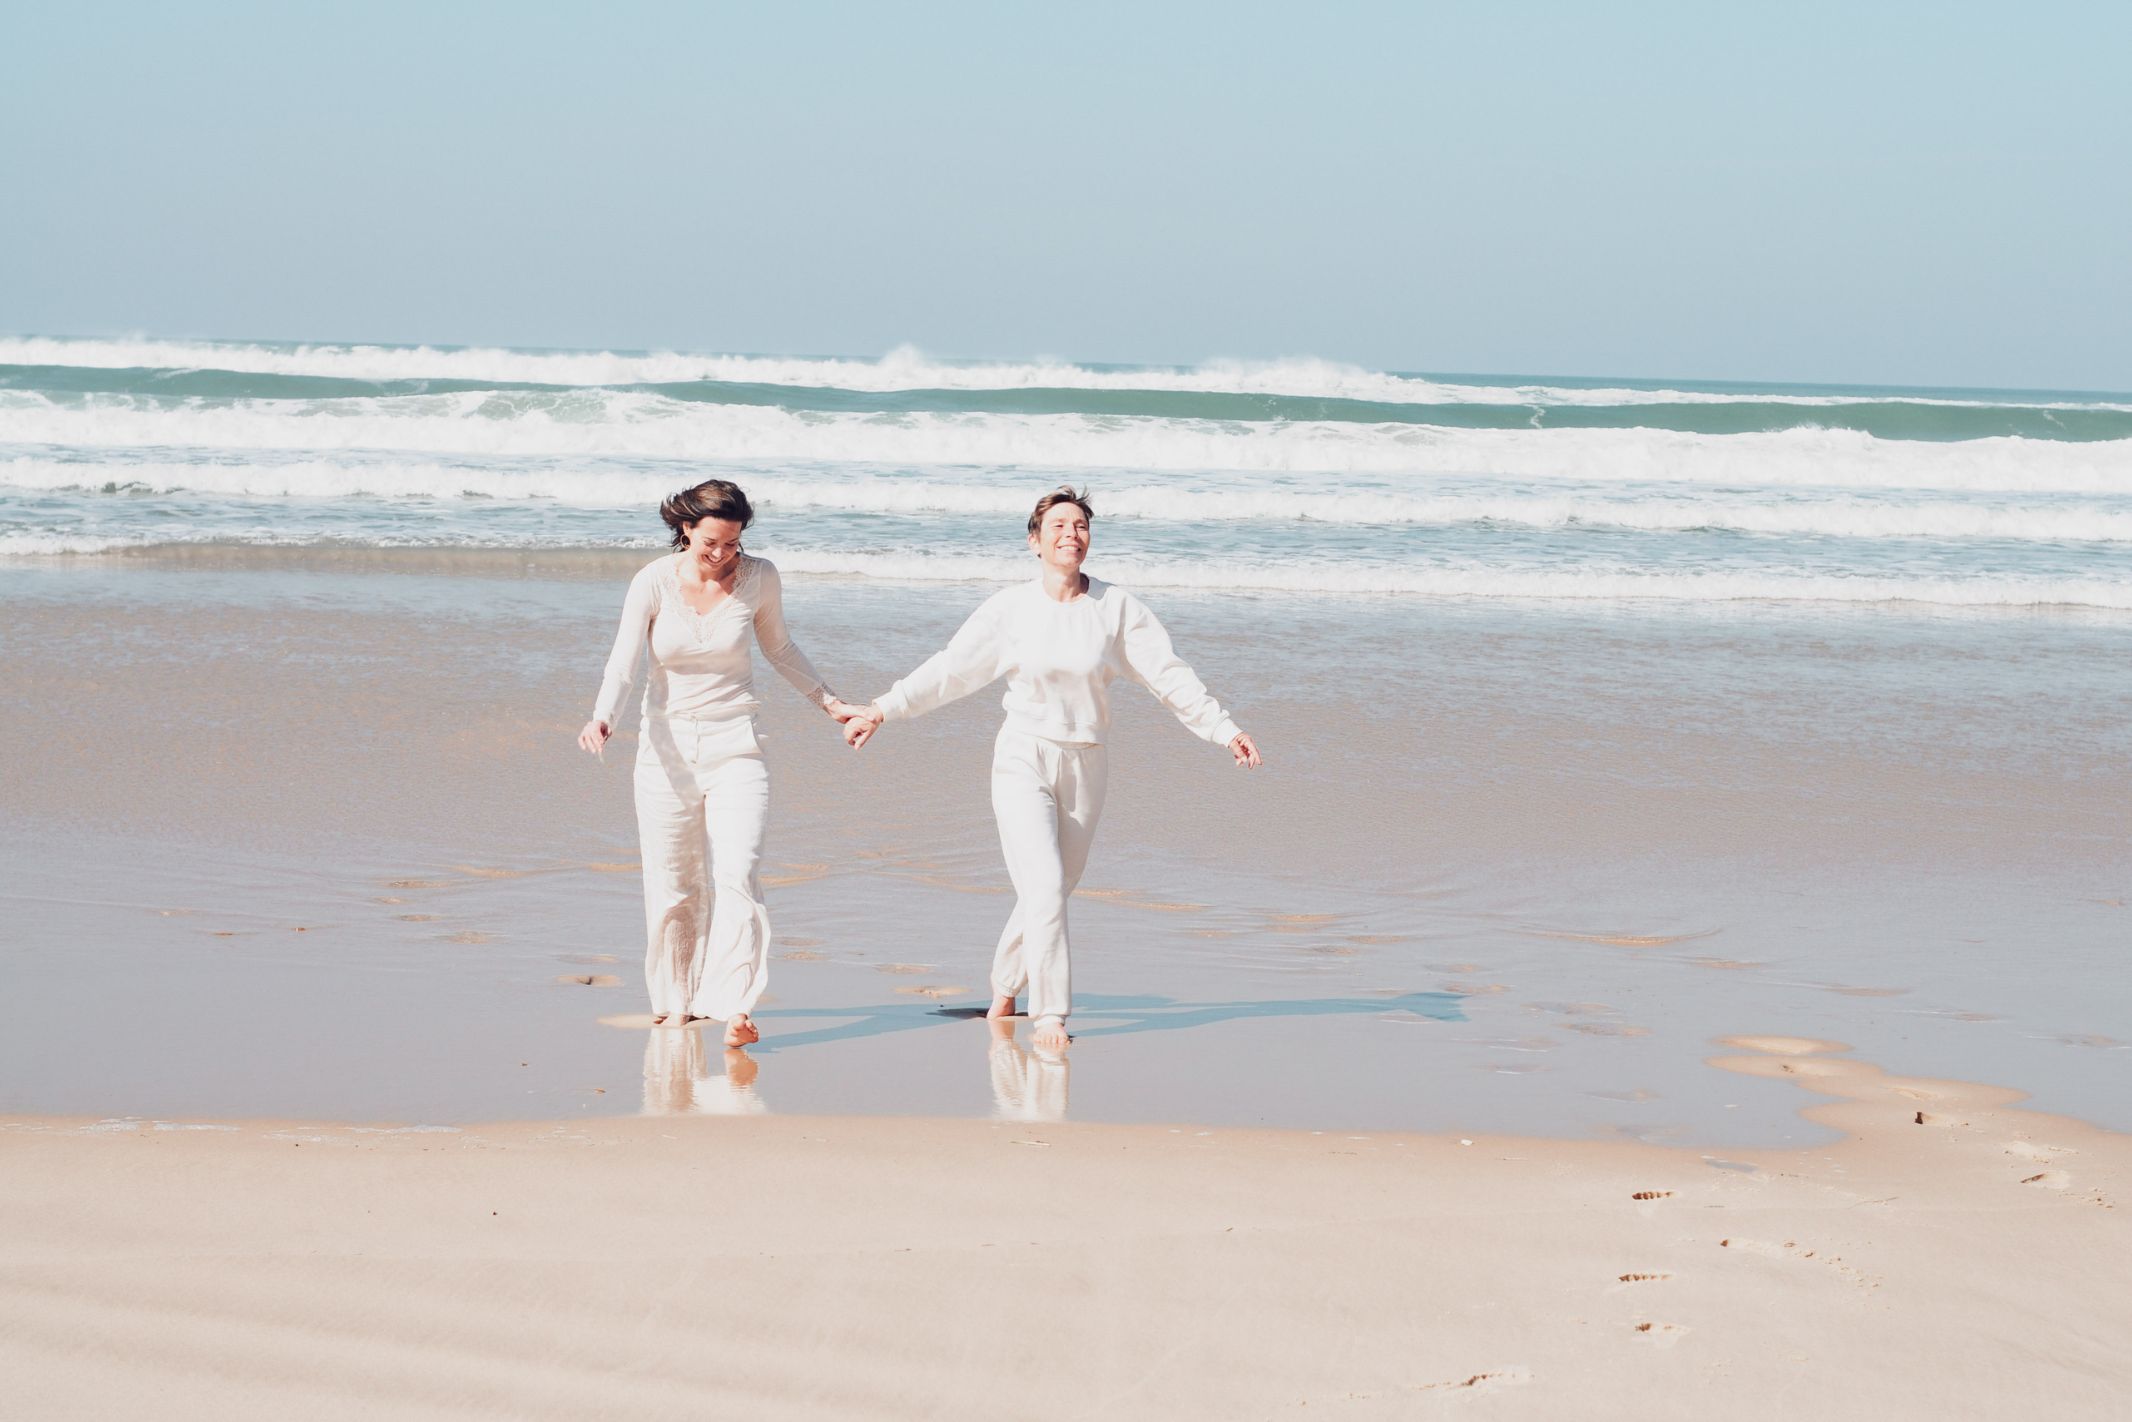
x: 1952, y: 1258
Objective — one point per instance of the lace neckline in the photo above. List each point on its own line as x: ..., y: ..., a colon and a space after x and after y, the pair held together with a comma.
x: 748, y: 564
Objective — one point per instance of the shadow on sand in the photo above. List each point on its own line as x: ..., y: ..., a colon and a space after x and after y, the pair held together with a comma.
x: 1118, y: 1014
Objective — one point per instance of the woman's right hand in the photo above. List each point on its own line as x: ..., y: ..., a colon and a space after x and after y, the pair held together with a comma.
x: 594, y: 736
x: 860, y: 727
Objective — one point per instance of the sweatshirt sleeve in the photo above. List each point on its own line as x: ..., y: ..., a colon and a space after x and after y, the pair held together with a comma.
x: 776, y: 641
x: 975, y: 657
x: 629, y: 640
x: 1154, y: 663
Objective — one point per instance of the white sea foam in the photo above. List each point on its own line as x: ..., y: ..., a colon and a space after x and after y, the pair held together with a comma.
x: 1359, y: 576
x: 629, y: 424
x: 902, y: 369
x: 46, y: 544
x: 1816, y: 513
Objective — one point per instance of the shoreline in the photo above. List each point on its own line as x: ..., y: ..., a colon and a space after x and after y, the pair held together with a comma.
x: 606, y: 563
x: 1947, y: 1258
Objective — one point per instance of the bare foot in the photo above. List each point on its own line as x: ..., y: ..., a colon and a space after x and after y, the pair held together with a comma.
x: 1001, y: 1007
x: 739, y: 1031
x: 1050, y: 1032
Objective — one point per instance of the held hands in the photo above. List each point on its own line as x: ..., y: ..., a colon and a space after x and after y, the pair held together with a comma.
x: 595, y: 736
x: 860, y: 722
x: 1245, y: 751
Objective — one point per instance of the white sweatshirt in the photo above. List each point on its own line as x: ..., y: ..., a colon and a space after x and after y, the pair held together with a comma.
x: 1059, y: 659
x: 700, y: 665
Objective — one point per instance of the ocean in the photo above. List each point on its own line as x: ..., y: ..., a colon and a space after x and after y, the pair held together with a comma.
x: 1603, y: 720
x: 1299, y: 476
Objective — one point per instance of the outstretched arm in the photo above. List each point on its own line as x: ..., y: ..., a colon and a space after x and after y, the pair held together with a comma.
x: 1154, y: 663
x: 975, y: 657
x: 629, y: 641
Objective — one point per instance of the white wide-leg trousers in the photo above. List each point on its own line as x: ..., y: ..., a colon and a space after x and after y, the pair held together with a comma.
x: 703, y: 801
x: 1047, y: 796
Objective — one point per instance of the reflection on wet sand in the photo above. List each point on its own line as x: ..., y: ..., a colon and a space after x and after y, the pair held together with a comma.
x: 1026, y: 1085
x: 678, y: 1080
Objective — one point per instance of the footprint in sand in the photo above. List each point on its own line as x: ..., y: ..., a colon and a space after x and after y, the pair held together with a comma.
x: 418, y: 917
x: 1631, y: 1281
x: 591, y: 979
x: 903, y: 968
x: 1663, y: 1335
x: 936, y: 993
x: 1481, y: 1382
x: 2041, y: 1154
x: 790, y: 942
x: 802, y: 955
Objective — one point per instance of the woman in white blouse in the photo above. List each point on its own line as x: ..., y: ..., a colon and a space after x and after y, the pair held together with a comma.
x: 703, y: 792
x: 1060, y: 640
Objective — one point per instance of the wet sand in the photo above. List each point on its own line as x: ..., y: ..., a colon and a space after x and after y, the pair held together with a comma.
x: 309, y: 825
x: 1948, y: 1256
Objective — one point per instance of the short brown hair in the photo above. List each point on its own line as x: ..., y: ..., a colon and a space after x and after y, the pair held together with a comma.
x: 1063, y: 494
x: 713, y: 498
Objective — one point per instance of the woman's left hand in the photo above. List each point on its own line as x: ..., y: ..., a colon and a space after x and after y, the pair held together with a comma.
x: 860, y: 725
x: 1245, y: 752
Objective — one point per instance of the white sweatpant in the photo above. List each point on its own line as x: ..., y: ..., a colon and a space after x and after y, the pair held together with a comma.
x: 703, y: 800
x: 1047, y: 796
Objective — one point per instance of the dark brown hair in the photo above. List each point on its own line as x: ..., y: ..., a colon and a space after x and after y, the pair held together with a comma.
x: 713, y: 498
x: 1063, y: 494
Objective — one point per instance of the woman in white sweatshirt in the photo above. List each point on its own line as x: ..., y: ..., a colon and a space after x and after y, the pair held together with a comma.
x: 1060, y: 640
x: 703, y: 792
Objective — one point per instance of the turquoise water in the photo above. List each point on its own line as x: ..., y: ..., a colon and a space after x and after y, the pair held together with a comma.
x: 1298, y: 475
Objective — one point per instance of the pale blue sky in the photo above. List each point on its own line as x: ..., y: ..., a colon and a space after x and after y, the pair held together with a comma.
x: 1921, y: 194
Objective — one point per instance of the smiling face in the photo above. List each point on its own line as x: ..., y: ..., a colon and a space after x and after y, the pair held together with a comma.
x: 1061, y: 539
x: 714, y: 542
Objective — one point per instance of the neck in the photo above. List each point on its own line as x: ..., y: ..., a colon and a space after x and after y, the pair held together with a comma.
x: 1063, y: 584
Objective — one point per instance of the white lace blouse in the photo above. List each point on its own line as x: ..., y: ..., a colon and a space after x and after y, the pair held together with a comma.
x: 700, y: 663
